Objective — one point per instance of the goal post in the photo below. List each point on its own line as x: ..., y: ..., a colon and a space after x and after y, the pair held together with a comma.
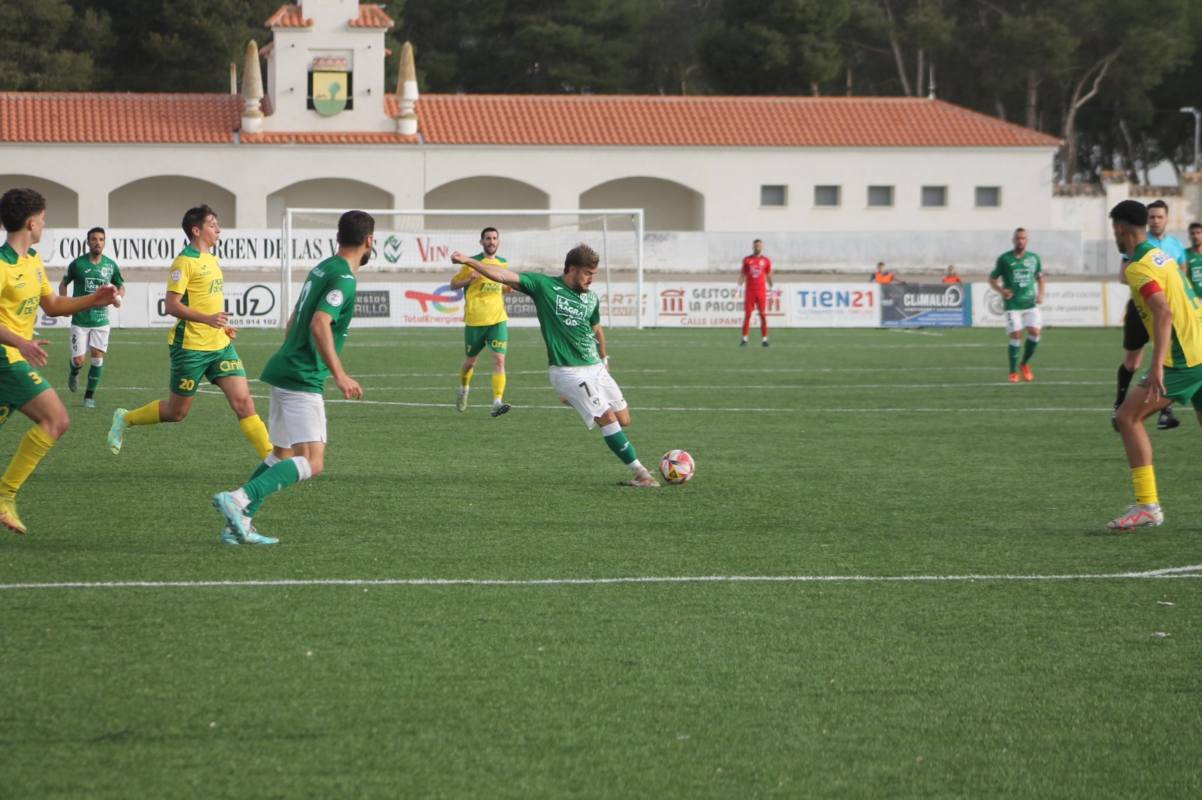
x: 416, y: 242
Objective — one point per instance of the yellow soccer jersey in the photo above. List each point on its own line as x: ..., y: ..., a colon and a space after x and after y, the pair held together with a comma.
x: 1151, y: 270
x: 197, y: 277
x: 23, y: 284
x: 483, y: 300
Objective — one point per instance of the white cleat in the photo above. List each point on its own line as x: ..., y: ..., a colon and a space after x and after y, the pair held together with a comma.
x: 1138, y: 516
x: 461, y: 400
x: 643, y: 480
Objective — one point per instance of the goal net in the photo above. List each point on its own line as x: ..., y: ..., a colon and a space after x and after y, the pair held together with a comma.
x: 417, y: 245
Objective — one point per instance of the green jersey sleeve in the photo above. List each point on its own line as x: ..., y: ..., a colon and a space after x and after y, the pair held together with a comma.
x: 594, y: 319
x: 338, y: 295
x: 998, y: 267
x: 532, y: 283
x: 117, y: 280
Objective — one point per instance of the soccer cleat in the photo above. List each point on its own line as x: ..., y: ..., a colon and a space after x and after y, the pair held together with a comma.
x: 742, y: 343
x: 89, y: 402
x: 643, y: 479
x: 9, y: 518
x: 117, y: 430
x: 1028, y: 375
x: 1013, y: 377
x: 461, y: 401
x: 1114, y: 419
x: 499, y: 408
x: 252, y: 537
x: 765, y: 343
x: 73, y: 380
x: 1167, y: 421
x: 228, y: 507
x: 1138, y: 516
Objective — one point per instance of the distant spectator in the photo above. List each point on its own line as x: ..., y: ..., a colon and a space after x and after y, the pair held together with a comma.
x: 952, y: 276
x: 882, y: 275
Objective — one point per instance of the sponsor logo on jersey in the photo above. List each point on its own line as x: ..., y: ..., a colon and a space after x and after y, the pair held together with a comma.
x: 176, y: 275
x: 334, y: 298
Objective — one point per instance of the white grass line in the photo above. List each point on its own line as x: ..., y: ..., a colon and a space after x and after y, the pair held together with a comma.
x: 1194, y: 571
x: 777, y: 386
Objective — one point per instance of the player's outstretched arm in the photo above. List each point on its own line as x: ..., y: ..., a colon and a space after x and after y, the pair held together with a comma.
x: 322, y: 332
x: 498, y: 274
x: 58, y: 306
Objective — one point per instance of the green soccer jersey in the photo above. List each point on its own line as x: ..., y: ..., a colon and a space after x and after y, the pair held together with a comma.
x: 86, y: 278
x: 297, y: 365
x: 1193, y: 270
x: 566, y: 318
x: 1019, y: 274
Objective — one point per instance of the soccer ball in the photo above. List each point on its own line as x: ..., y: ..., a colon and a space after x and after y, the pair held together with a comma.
x: 677, y: 466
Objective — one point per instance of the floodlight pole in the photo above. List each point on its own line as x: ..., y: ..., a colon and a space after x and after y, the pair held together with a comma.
x: 1197, y: 125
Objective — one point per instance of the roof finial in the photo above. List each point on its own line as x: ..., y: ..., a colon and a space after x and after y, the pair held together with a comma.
x: 406, y: 89
x: 252, y: 90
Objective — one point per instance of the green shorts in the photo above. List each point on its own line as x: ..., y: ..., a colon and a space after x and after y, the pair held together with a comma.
x: 475, y: 337
x: 189, y: 367
x: 1183, y: 384
x: 19, y: 383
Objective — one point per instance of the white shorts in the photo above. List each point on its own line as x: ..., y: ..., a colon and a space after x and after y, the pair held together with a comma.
x: 296, y: 417
x: 1027, y: 318
x: 84, y: 338
x: 590, y: 390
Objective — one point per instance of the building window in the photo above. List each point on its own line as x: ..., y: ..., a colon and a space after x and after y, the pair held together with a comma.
x: 880, y: 196
x: 776, y: 196
x: 826, y: 196
x: 934, y: 196
x: 989, y: 196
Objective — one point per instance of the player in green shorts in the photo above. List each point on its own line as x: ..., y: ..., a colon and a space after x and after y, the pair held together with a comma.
x: 297, y: 374
x: 90, y: 329
x: 570, y: 320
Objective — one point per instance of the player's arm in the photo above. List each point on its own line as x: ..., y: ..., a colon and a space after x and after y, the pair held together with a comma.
x: 461, y: 281
x: 768, y: 274
x: 31, y: 350
x: 176, y: 308
x: 599, y: 335
x: 58, y: 306
x: 496, y: 273
x: 1041, y: 291
x: 322, y: 331
x: 996, y: 283
x: 118, y: 281
x: 65, y: 282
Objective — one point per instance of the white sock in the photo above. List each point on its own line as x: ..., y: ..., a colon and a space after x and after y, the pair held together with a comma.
x: 271, y: 460
x: 240, y: 498
x: 637, y: 467
x: 611, y: 428
x: 303, y: 467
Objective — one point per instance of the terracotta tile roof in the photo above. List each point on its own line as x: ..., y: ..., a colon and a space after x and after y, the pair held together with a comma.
x: 714, y: 122
x: 372, y: 16
x: 87, y: 117
x: 321, y: 137
x: 288, y: 16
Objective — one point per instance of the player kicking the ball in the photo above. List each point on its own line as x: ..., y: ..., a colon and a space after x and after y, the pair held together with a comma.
x: 570, y: 319
x: 297, y: 374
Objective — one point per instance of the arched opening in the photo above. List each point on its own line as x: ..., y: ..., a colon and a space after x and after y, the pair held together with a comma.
x: 160, y: 202
x: 668, y: 206
x: 342, y: 193
x: 62, y: 204
x: 484, y: 192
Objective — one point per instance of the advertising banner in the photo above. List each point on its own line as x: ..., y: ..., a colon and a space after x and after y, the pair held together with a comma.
x: 709, y: 305
x: 250, y: 305
x: 834, y: 305
x: 1116, y: 297
x: 1066, y: 305
x: 921, y: 305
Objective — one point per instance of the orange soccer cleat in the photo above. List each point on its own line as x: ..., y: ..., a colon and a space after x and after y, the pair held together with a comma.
x: 1013, y: 377
x: 1028, y: 375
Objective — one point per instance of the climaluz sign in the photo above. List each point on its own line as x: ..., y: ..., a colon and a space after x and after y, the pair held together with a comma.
x: 925, y: 305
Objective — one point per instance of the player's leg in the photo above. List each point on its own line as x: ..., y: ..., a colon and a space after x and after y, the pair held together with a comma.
x: 473, y: 343
x: 26, y: 389
x: 79, y: 348
x: 225, y: 370
x: 748, y: 308
x: 1135, y: 336
x: 597, y: 383
x: 187, y: 371
x: 1032, y: 323
x: 498, y: 342
x: 98, y: 345
x: 761, y: 302
x: 1130, y: 417
x: 1014, y: 333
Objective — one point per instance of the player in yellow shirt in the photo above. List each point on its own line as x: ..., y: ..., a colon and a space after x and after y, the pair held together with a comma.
x: 485, y: 322
x: 200, y: 343
x: 24, y: 289
x: 1170, y: 313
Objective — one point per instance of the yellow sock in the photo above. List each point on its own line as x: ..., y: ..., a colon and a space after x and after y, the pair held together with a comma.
x: 1144, y: 479
x: 34, y: 446
x: 498, y: 386
x: 146, y: 415
x: 465, y: 376
x: 256, y: 433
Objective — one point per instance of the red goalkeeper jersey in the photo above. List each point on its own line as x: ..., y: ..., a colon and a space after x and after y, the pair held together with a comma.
x: 755, y: 273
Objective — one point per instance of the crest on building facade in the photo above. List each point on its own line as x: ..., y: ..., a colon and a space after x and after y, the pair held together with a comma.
x: 330, y: 85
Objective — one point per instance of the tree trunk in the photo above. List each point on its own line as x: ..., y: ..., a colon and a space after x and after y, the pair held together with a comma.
x: 898, y: 58
x: 919, y: 84
x: 1080, y: 97
x: 1129, y: 153
x: 1033, y: 82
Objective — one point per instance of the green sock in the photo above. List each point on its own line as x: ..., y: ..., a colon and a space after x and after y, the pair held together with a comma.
x: 1014, y: 351
x: 270, y: 481
x: 622, y: 447
x: 74, y: 369
x: 1029, y: 348
x: 93, y: 377
x: 259, y: 470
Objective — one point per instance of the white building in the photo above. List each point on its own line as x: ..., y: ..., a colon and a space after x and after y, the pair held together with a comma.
x: 829, y: 183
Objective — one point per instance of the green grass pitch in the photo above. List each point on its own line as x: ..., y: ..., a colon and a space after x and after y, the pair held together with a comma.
x: 830, y: 455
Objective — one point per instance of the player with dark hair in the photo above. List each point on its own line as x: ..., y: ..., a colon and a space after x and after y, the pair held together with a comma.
x: 24, y: 289
x: 756, y: 270
x: 1169, y: 312
x: 201, y: 343
x: 1135, y: 335
x: 1193, y: 258
x: 1018, y: 278
x: 485, y: 323
x: 297, y: 375
x: 570, y: 319
x: 90, y: 328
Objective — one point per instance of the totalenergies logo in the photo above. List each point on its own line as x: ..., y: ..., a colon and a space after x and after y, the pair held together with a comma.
x: 444, y: 299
